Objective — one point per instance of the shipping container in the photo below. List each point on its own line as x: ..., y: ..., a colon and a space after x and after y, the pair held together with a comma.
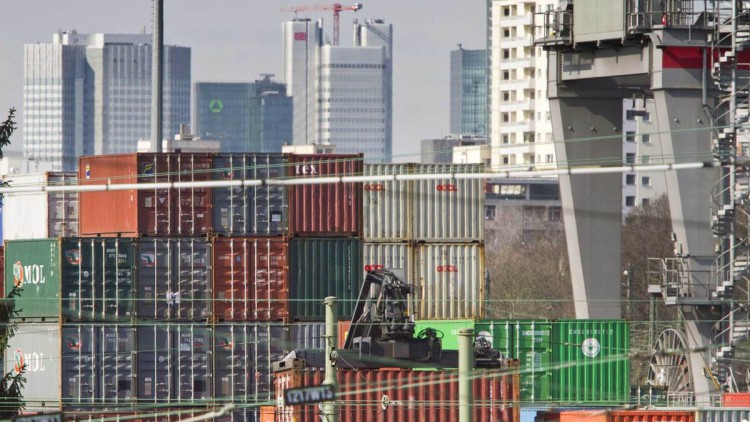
x: 250, y: 210
x: 392, y: 256
x: 43, y: 214
x: 619, y: 416
x: 174, y: 363
x: 243, y: 358
x: 327, y: 209
x: 735, y: 399
x: 529, y: 341
x: 724, y: 414
x: 157, y: 212
x: 387, y: 205
x: 251, y: 278
x: 173, y: 278
x: 447, y: 210
x: 403, y: 395
x: 450, y: 281
x: 309, y: 335
x: 320, y: 268
x: 76, y: 366
x: 591, y: 361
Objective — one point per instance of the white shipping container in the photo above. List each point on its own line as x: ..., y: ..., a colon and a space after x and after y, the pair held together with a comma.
x: 387, y: 212
x: 724, y: 414
x: 37, y: 346
x: 448, y: 210
x: 450, y: 281
x: 40, y: 215
x: 398, y: 256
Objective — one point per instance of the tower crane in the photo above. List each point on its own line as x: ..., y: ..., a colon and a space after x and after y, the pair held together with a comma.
x: 335, y: 7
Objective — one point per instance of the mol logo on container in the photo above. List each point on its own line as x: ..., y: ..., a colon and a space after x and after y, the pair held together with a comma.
x: 591, y: 347
x: 29, y: 362
x: 24, y: 274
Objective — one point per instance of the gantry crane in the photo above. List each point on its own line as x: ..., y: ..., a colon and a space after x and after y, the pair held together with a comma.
x: 336, y: 7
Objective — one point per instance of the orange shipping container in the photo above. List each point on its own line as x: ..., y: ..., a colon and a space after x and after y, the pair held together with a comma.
x: 404, y: 395
x: 623, y: 416
x: 735, y: 400
x: 267, y: 414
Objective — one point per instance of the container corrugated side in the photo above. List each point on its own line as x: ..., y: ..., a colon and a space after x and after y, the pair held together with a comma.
x: 250, y: 210
x: 37, y: 346
x: 450, y: 281
x: 251, y: 278
x: 592, y: 362
x: 388, y: 395
x: 243, y: 358
x: 387, y: 208
x: 735, y: 399
x: 654, y: 415
x: 329, y: 209
x: 158, y: 212
x: 39, y: 215
x: 307, y: 335
x: 448, y: 209
x: 724, y: 414
x: 34, y: 266
x: 392, y: 256
x: 320, y: 268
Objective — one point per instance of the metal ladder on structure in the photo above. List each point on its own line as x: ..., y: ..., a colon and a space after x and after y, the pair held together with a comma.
x: 729, y: 198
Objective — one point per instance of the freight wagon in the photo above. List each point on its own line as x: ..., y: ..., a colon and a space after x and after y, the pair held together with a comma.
x: 564, y: 362
x: 88, y: 279
x: 39, y: 215
x: 618, y: 416
x: 403, y: 395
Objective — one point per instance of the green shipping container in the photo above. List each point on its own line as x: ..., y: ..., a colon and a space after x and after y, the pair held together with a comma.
x: 74, y: 279
x: 526, y: 340
x: 592, y: 362
x: 323, y: 267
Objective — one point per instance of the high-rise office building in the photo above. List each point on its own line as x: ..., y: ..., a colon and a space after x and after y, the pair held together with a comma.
x: 342, y: 95
x: 520, y: 129
x: 91, y: 94
x: 244, y: 116
x: 468, y: 92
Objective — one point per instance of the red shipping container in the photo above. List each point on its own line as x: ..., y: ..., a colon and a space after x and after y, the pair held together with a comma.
x: 404, y: 395
x: 151, y: 212
x: 343, y: 331
x: 251, y: 278
x: 329, y: 209
x: 620, y: 416
x: 735, y: 400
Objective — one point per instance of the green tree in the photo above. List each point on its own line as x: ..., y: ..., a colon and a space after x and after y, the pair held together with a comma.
x: 11, y: 385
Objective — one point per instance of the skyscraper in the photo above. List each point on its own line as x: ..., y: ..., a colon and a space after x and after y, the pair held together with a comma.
x: 468, y: 92
x: 520, y: 129
x: 342, y: 95
x: 91, y: 94
x: 244, y: 116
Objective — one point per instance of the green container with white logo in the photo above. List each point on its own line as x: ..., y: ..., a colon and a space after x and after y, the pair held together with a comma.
x: 34, y: 267
x: 592, y: 363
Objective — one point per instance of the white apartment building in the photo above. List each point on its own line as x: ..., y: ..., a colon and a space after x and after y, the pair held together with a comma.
x: 520, y: 129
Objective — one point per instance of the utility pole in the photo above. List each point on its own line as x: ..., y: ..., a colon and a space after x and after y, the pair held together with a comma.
x: 330, y: 413
x: 157, y: 76
x: 465, y: 370
x: 628, y: 282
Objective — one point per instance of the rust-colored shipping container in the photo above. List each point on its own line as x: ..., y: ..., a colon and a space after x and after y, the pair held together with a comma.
x: 735, y: 400
x: 251, y: 278
x: 329, y: 209
x: 620, y: 416
x: 404, y: 395
x: 157, y: 212
x: 343, y: 331
x: 268, y: 414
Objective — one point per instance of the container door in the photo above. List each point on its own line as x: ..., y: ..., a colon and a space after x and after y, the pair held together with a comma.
x: 268, y: 344
x: 154, y: 206
x: 79, y: 371
x: 154, y: 280
x: 117, y: 281
x: 269, y: 201
x: 192, y: 206
x: 232, y: 375
x: 193, y: 365
x: 154, y: 360
x: 534, y: 350
x: 79, y: 289
x: 231, y: 209
x: 191, y: 294
x: 34, y: 267
x: 63, y: 206
x: 269, y: 290
x: 230, y: 279
x: 117, y: 346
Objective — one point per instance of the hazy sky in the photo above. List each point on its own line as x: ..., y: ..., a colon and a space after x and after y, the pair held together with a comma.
x: 237, y: 40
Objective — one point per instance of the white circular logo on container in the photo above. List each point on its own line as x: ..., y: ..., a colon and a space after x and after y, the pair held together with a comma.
x: 485, y: 335
x: 591, y: 347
